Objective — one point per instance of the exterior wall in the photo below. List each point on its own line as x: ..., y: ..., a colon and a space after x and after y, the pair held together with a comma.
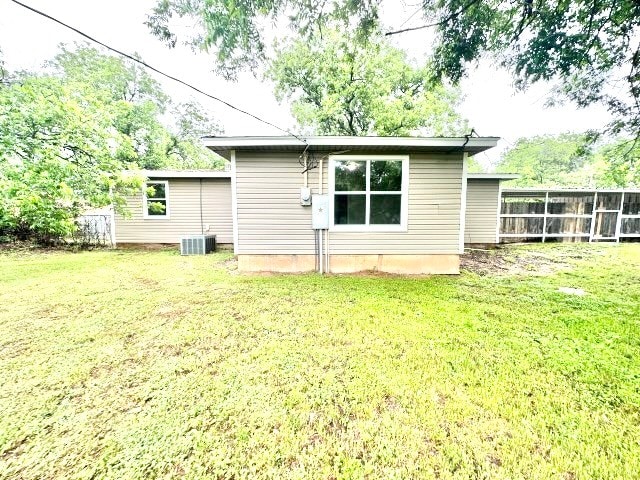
x: 270, y: 217
x: 481, y: 221
x: 399, y: 264
x: 271, y: 220
x: 184, y: 209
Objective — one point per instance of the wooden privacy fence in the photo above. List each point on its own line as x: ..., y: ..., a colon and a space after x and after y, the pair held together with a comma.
x: 569, y: 215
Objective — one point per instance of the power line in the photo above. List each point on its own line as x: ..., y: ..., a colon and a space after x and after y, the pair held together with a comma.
x: 435, y: 24
x: 410, y: 17
x: 160, y: 72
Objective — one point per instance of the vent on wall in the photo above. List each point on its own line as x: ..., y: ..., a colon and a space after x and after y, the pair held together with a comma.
x: 197, y: 244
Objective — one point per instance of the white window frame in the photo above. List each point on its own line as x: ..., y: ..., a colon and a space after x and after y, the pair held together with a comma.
x: 145, y: 210
x: 404, y: 192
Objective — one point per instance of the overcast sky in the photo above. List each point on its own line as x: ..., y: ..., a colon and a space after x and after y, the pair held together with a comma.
x: 491, y: 103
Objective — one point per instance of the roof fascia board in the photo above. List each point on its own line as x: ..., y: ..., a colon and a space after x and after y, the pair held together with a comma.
x: 256, y: 142
x: 493, y: 176
x: 184, y: 174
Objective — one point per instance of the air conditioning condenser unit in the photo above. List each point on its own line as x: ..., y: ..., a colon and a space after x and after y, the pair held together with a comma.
x: 197, y: 244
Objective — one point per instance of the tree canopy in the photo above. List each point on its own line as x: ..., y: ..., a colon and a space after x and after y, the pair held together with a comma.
x: 67, y: 135
x: 340, y: 86
x: 562, y: 161
x: 590, y: 48
x: 138, y: 105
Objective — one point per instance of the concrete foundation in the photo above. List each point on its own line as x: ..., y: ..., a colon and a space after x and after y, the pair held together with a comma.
x: 448, y: 264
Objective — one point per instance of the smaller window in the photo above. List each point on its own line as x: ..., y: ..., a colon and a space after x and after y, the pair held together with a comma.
x: 156, y: 199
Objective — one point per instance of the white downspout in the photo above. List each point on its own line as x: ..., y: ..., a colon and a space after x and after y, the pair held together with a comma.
x: 234, y: 201
x: 463, y: 203
x: 320, y: 259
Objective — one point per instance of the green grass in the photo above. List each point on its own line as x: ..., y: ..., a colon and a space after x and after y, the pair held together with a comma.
x: 134, y: 364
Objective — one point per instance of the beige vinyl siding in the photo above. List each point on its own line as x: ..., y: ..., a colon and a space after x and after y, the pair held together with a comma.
x: 270, y: 217
x: 482, y: 211
x: 272, y: 221
x: 184, y: 209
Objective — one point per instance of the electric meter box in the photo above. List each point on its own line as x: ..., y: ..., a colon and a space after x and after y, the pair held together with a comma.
x: 320, y: 212
x: 305, y: 196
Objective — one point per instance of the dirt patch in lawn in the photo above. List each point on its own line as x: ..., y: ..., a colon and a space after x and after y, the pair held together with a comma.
x: 525, y: 260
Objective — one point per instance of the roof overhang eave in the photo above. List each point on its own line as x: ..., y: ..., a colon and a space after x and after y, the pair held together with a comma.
x: 224, y: 145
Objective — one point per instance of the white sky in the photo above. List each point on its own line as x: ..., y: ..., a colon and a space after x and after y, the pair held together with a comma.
x: 491, y: 104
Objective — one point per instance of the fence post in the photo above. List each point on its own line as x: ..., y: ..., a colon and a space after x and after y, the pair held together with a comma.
x: 593, y: 216
x: 112, y: 226
x: 619, y: 218
x: 544, y: 219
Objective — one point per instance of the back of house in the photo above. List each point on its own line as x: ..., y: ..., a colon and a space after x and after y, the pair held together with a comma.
x: 339, y: 204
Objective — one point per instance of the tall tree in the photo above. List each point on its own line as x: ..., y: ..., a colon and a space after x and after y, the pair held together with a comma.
x: 563, y: 161
x: 618, y: 163
x: 138, y: 103
x: 233, y: 29
x: 66, y: 137
x: 56, y: 156
x: 591, y: 47
x: 548, y: 160
x: 339, y: 85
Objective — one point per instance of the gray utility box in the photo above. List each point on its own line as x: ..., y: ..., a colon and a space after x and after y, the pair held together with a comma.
x: 320, y: 212
x: 197, y: 244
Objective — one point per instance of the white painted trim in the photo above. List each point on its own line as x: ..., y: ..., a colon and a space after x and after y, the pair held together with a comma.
x: 544, y: 219
x: 592, y: 229
x: 232, y: 143
x: 549, y: 235
x: 463, y: 204
x: 404, y: 194
x: 112, y: 227
x: 492, y: 176
x: 569, y: 190
x: 145, y: 214
x: 234, y: 201
x: 550, y: 215
x: 498, y: 213
x: 619, y: 218
x: 151, y: 174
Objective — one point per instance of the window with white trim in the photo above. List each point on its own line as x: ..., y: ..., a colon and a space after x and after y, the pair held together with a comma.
x: 368, y: 192
x: 156, y: 199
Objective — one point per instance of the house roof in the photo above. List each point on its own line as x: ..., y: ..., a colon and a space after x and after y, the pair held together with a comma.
x: 472, y: 145
x: 185, y: 174
x: 492, y: 176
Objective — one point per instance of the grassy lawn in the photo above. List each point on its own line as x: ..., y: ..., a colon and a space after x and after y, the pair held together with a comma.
x: 134, y: 364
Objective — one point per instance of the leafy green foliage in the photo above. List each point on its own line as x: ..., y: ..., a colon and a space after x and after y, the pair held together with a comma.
x: 619, y: 163
x: 589, y: 47
x: 66, y: 138
x: 138, y: 102
x: 563, y: 161
x: 341, y: 86
x: 546, y: 160
x: 56, y: 155
x: 473, y: 166
x: 233, y: 29
x: 152, y: 365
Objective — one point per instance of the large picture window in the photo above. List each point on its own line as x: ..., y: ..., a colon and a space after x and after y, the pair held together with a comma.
x: 368, y: 193
x: 156, y: 199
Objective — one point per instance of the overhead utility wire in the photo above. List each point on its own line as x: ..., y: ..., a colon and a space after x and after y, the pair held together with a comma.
x: 171, y: 77
x: 435, y: 24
